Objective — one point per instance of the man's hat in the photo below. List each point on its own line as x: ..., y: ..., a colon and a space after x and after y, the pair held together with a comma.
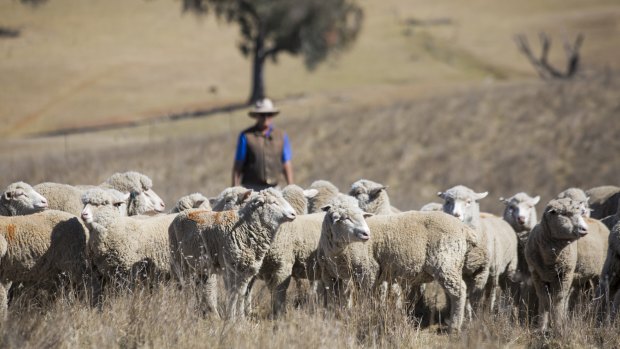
x: 263, y: 106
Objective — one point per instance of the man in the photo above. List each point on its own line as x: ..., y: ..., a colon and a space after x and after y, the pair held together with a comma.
x: 263, y: 151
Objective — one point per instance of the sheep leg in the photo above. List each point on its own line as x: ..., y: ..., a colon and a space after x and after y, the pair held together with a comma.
x: 248, y: 297
x: 542, y: 293
x: 4, y: 299
x: 210, y: 286
x: 278, y: 295
x: 456, y: 289
x: 491, y: 291
x: 560, y: 296
x: 238, y: 285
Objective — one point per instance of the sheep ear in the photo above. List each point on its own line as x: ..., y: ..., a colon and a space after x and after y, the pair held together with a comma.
x: 535, y: 200
x: 478, y: 196
x: 367, y: 214
x: 7, y: 195
x: 441, y: 194
x: 326, y: 208
x: 503, y: 201
x: 259, y: 200
x: 335, y: 217
x: 245, y: 196
x: 199, y: 203
x: 377, y: 191
x: 553, y: 211
x: 310, y: 193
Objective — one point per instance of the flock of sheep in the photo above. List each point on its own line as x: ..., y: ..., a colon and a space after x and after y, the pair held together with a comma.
x: 117, y: 235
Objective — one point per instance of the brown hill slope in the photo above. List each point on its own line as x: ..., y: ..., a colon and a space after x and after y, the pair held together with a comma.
x: 528, y: 136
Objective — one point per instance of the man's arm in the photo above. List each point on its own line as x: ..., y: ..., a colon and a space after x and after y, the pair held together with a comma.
x: 236, y: 173
x: 287, y: 164
x: 287, y: 170
x: 240, y: 154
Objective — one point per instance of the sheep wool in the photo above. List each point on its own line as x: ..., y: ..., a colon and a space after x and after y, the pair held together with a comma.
x: 205, y: 243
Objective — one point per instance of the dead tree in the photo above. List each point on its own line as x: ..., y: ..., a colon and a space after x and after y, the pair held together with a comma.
x: 544, y: 69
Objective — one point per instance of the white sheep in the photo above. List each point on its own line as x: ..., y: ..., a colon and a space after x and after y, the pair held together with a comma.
x: 610, y: 275
x: 604, y: 200
x: 125, y: 248
x: 432, y: 206
x: 551, y: 253
x: 142, y: 199
x: 577, y: 195
x: 592, y: 248
x: 372, y: 197
x: 41, y: 249
x: 520, y: 213
x: 231, y: 198
x: 298, y: 197
x: 195, y: 200
x: 326, y: 192
x: 20, y: 198
x: 411, y: 248
x: 205, y: 243
x: 500, y: 238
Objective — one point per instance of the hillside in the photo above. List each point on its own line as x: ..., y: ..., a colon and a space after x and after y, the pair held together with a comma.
x: 78, y: 64
x: 502, y: 137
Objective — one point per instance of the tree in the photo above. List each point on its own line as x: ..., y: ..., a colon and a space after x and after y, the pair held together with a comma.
x: 313, y: 29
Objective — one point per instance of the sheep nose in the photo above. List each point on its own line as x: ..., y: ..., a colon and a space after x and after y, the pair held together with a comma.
x: 456, y: 214
x: 521, y: 220
x: 582, y: 230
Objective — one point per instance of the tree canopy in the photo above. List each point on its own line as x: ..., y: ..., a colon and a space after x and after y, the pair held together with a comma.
x: 313, y: 29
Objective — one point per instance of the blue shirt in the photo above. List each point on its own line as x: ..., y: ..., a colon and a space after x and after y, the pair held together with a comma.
x: 242, y: 147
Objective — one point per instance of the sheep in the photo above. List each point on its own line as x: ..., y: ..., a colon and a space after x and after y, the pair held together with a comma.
x: 372, y: 197
x: 230, y: 242
x: 432, y: 206
x: 577, y: 195
x: 520, y: 213
x: 195, y: 200
x: 298, y: 197
x: 292, y: 255
x: 611, y: 220
x: 551, y: 253
x: 142, y: 198
x: 411, y: 248
x: 604, y: 201
x: 20, y: 198
x: 326, y: 192
x: 592, y: 248
x: 125, y: 248
x: 44, y: 249
x: 610, y: 275
x: 231, y: 198
x: 500, y: 238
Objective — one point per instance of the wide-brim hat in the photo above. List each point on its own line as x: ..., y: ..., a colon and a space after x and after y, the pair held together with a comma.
x: 262, y: 107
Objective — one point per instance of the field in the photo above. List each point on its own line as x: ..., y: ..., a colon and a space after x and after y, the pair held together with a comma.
x: 432, y: 95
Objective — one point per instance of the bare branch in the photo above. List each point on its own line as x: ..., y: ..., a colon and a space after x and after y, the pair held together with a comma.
x: 542, y: 65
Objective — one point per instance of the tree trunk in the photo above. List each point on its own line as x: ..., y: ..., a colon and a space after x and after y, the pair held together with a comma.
x: 258, y: 64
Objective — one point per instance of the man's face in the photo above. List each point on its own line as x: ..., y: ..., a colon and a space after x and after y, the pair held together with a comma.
x: 264, y: 121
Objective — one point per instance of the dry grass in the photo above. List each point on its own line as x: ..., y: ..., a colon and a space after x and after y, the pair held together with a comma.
x: 169, y: 317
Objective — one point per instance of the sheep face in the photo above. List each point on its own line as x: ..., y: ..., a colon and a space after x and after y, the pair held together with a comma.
x: 21, y: 199
x: 233, y: 198
x: 579, y: 196
x: 152, y: 201
x: 272, y: 206
x: 520, y: 211
x: 461, y: 202
x: 347, y: 221
x: 366, y: 192
x: 564, y: 219
x: 94, y: 199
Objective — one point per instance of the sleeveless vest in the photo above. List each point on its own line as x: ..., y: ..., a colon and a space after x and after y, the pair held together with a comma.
x: 263, y: 163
